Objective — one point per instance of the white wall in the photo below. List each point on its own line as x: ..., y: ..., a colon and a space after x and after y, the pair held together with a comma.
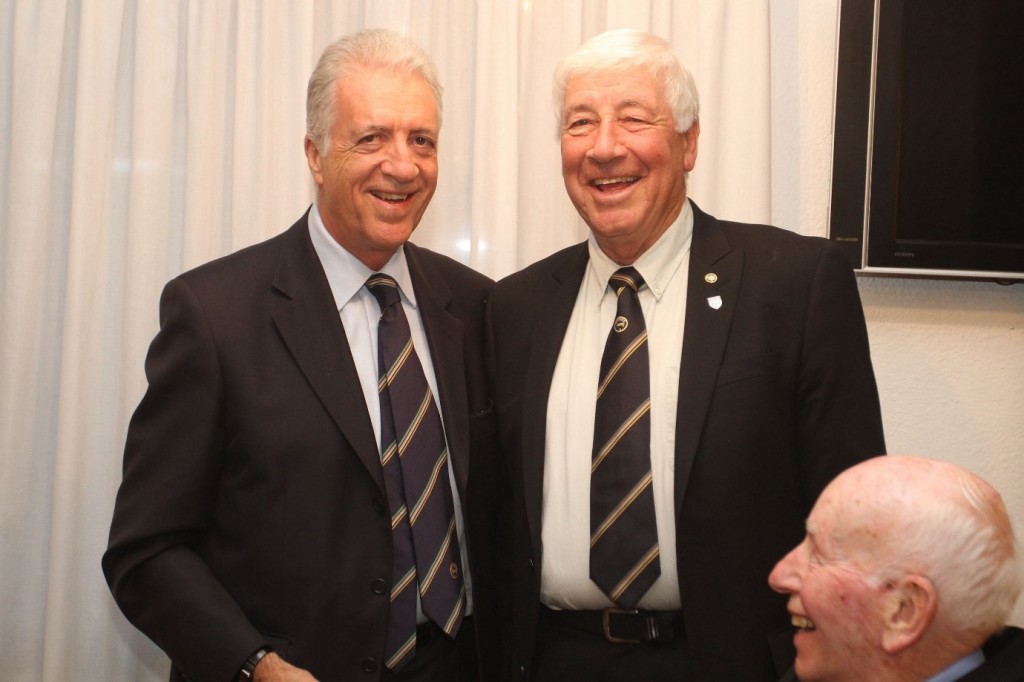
x: 948, y: 355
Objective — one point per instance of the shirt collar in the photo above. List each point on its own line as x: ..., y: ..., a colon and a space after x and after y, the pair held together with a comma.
x: 973, y: 660
x: 346, y: 274
x: 658, y: 264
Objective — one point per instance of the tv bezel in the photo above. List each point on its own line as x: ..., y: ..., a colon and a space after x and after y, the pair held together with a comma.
x: 863, y: 183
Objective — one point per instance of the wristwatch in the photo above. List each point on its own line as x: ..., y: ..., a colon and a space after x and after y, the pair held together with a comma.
x: 250, y: 663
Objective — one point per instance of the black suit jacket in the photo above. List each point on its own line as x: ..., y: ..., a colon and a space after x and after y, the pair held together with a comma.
x: 252, y: 508
x: 776, y: 396
x: 1004, y: 658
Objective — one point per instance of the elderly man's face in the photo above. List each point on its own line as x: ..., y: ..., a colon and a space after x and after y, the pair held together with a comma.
x: 622, y: 160
x: 376, y: 179
x: 836, y: 606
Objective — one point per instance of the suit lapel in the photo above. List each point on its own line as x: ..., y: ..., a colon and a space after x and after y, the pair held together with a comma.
x: 714, y: 278
x: 557, y: 295
x: 444, y: 336
x: 309, y: 324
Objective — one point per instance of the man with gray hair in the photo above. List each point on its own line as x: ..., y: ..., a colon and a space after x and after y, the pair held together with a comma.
x: 294, y: 503
x: 672, y: 394
x: 908, y: 572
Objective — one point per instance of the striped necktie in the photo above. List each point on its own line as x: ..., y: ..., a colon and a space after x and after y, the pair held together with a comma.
x: 415, y: 461
x: 624, y: 560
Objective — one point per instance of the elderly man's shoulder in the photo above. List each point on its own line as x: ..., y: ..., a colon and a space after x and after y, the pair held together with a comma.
x: 774, y: 251
x: 769, y: 239
x: 1004, y: 658
x: 461, y: 277
x: 565, y: 264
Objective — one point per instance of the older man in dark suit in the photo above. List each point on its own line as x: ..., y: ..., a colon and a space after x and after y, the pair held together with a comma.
x: 672, y: 395
x: 305, y: 481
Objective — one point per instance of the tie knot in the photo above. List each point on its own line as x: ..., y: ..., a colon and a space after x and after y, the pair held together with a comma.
x: 625, y: 277
x: 384, y: 288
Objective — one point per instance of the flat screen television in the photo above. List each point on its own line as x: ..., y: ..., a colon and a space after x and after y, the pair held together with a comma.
x: 928, y: 156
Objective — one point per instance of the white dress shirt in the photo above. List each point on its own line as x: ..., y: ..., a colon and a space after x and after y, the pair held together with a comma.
x: 565, y: 532
x: 360, y: 313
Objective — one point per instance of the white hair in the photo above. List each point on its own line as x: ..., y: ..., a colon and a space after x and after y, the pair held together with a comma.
x: 626, y: 49
x: 963, y: 541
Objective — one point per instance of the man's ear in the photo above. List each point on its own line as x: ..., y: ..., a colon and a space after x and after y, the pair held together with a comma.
x: 690, y: 146
x: 910, y: 608
x: 313, y: 159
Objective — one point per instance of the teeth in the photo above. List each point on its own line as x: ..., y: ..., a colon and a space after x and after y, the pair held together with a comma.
x: 802, y: 622
x: 390, y: 197
x: 611, y: 181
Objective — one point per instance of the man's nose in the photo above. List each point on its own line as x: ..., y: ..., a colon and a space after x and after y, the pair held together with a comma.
x: 400, y: 163
x: 785, y: 577
x: 607, y: 145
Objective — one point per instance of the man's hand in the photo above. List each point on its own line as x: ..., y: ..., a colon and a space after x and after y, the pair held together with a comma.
x: 273, y: 668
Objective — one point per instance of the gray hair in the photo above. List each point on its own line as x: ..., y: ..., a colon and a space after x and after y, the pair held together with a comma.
x: 371, y: 49
x: 625, y: 49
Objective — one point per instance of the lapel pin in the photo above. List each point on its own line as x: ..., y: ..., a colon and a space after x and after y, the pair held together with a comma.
x: 714, y: 302
x: 711, y: 278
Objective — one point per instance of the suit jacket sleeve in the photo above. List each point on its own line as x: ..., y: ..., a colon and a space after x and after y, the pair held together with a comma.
x: 840, y: 422
x: 172, y: 464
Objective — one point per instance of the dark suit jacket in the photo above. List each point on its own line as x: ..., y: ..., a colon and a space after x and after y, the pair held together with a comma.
x: 252, y: 508
x: 1004, y: 658
x: 776, y: 396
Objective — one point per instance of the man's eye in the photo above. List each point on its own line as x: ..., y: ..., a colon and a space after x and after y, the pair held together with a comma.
x: 579, y: 122
x: 369, y: 139
x: 422, y: 141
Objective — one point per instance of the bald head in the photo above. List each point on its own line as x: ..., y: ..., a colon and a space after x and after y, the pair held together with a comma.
x: 908, y: 564
x: 906, y: 514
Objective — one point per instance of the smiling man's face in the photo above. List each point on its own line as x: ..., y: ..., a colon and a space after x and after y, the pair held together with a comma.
x: 835, y: 603
x: 380, y: 170
x: 623, y: 162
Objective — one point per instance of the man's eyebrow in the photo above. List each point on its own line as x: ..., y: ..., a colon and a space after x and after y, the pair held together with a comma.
x: 367, y: 130
x: 377, y: 129
x: 633, y: 103
x: 575, y: 108
x: 620, y: 106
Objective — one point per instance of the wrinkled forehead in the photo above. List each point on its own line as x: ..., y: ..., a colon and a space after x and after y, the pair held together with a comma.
x: 632, y: 83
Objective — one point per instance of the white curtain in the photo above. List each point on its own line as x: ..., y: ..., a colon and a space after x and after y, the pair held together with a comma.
x: 140, y: 138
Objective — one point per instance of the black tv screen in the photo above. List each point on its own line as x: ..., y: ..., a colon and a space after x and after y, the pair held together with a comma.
x: 928, y: 167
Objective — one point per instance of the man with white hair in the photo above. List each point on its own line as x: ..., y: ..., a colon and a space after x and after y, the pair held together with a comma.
x: 909, y: 571
x: 672, y: 394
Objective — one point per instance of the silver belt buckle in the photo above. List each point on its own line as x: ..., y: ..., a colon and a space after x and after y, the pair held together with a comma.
x: 607, y: 631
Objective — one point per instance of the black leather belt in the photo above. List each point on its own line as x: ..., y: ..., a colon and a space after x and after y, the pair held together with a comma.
x: 622, y: 626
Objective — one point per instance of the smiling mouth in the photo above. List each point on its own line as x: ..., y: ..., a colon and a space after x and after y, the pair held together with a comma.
x: 615, y: 183
x: 802, y: 622
x: 391, y: 198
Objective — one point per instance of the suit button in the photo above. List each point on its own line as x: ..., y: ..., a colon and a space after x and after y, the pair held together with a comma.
x: 379, y: 506
x: 379, y: 586
x: 529, y: 561
x: 522, y: 671
x: 369, y: 665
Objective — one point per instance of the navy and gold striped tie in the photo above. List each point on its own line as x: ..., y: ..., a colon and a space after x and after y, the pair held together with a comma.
x: 415, y: 461
x: 624, y: 558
